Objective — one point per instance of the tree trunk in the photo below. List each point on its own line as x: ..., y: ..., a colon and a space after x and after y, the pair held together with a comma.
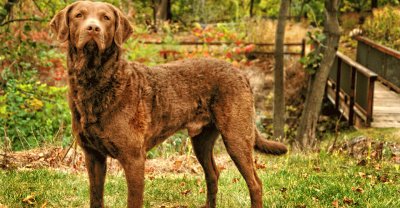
x: 279, y: 94
x: 164, y: 10
x: 154, y: 7
x: 374, y: 4
x: 251, y: 8
x: 306, y: 131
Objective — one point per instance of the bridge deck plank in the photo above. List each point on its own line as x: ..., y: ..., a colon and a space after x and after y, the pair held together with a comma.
x: 386, y: 110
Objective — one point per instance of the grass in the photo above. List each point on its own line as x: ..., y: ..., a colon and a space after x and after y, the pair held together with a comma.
x: 296, y: 180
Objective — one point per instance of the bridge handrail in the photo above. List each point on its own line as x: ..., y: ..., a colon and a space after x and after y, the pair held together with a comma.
x: 354, y: 76
x: 379, y: 47
x: 364, y: 70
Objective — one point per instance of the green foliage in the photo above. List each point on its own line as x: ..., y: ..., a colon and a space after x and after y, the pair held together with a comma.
x: 270, y: 7
x: 33, y: 113
x: 384, y: 27
x: 311, y: 62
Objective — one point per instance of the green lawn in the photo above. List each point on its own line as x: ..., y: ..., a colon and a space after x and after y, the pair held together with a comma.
x: 296, y: 180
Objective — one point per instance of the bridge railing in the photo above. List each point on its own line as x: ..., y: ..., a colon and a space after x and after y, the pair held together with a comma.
x: 380, y: 59
x: 351, y: 89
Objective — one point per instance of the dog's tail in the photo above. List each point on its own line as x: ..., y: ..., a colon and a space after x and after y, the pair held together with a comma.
x: 269, y: 147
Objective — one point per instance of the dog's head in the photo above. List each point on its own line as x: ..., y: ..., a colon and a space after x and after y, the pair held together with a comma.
x: 86, y: 23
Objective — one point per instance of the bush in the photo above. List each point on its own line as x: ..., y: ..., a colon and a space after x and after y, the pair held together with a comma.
x: 32, y: 113
x: 384, y: 27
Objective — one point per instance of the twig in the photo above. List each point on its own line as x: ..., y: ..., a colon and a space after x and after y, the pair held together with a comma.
x: 37, y: 6
x: 319, y: 43
x: 69, y: 148
x: 331, y: 148
x: 21, y: 20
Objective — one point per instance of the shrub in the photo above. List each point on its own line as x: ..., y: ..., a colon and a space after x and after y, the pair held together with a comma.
x: 384, y: 27
x: 32, y: 113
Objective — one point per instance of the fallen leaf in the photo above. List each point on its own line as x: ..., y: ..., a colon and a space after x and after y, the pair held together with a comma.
x: 186, y: 192
x: 378, y: 167
x: 235, y: 180
x: 195, y: 170
x: 347, y: 200
x: 221, y: 167
x: 198, y: 181
x: 30, y: 199
x: 362, y: 162
x: 300, y: 206
x: 362, y: 175
x: 177, y: 164
x: 359, y: 190
x: 260, y: 166
x: 44, y: 205
x: 201, y: 190
x: 317, y: 169
x: 384, y: 178
x: 335, y: 203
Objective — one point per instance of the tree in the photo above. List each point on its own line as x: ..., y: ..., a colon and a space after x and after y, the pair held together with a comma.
x: 279, y: 95
x: 164, y: 10
x: 374, y: 4
x: 306, y: 131
x: 251, y: 7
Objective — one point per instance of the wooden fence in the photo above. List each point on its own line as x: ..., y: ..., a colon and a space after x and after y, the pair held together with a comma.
x: 269, y: 51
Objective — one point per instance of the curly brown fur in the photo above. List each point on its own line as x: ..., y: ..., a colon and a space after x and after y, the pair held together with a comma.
x: 123, y: 109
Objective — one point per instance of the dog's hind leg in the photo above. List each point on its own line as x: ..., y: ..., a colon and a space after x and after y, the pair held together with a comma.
x: 243, y: 159
x: 235, y: 121
x: 96, y: 166
x: 203, y: 145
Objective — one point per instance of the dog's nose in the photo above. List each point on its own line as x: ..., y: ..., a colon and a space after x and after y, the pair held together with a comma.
x: 93, y: 28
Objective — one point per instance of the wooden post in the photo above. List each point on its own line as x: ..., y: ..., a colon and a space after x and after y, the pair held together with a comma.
x: 337, y: 90
x: 352, y: 95
x: 303, y: 48
x: 371, y: 88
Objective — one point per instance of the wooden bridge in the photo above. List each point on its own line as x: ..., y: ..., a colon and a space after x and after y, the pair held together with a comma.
x: 386, y: 110
x: 367, y: 91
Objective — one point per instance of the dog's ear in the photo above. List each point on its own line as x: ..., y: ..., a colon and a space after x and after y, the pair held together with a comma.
x: 59, y: 23
x: 123, y: 29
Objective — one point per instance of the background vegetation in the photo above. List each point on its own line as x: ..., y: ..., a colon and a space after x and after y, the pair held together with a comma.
x: 34, y: 111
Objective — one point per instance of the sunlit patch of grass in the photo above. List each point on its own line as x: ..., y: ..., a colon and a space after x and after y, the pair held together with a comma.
x: 311, y: 180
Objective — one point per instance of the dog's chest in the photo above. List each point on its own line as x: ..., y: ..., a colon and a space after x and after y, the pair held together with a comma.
x: 93, y: 135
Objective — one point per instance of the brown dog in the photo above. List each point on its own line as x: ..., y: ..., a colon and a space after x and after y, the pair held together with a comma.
x: 123, y: 109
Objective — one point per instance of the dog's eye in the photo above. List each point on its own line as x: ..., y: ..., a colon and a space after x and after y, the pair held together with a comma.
x: 106, y: 17
x: 79, y: 15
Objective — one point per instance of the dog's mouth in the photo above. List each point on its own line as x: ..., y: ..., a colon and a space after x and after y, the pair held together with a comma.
x: 91, y: 43
x: 91, y: 46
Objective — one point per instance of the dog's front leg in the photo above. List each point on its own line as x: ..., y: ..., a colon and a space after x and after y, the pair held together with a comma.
x: 134, y: 173
x: 96, y: 166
